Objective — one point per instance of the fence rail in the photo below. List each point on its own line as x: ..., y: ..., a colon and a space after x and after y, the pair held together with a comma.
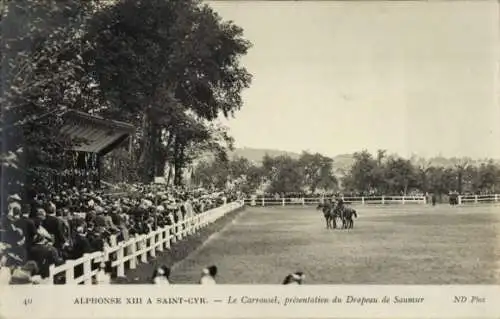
x: 130, y: 253
x: 367, y: 200
x: 269, y: 201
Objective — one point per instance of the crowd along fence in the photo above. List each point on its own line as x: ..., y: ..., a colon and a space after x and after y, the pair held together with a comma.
x: 367, y: 200
x: 128, y: 254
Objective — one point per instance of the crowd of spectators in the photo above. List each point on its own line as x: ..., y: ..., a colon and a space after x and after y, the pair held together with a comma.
x: 51, y: 228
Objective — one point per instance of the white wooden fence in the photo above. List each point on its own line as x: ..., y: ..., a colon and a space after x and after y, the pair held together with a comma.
x: 137, y: 249
x: 368, y: 200
x: 478, y: 199
x: 364, y: 200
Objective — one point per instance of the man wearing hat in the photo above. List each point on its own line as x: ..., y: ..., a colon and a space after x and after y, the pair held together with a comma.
x: 54, y: 226
x: 296, y: 278
x: 13, y: 201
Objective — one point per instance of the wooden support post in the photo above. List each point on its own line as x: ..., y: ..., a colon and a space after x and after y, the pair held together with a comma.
x: 87, y: 270
x: 144, y: 254
x: 152, y: 243
x: 70, y: 272
x: 120, y: 270
x: 133, y: 249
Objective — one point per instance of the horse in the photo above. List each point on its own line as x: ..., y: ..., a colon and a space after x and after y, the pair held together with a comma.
x: 347, y: 221
x: 329, y: 214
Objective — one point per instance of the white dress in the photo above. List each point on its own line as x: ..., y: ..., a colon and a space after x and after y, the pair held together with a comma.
x: 207, y: 280
x: 102, y: 278
x: 161, y: 280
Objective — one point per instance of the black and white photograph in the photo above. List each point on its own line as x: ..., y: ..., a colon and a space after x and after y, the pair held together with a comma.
x: 190, y: 142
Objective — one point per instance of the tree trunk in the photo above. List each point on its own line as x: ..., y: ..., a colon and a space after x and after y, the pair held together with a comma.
x: 460, y: 177
x: 178, y: 169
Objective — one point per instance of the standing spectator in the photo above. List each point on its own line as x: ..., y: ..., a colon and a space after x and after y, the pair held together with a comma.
x: 54, y: 226
x: 81, y: 245
x: 102, y: 278
x: 161, y: 276
x: 208, y: 275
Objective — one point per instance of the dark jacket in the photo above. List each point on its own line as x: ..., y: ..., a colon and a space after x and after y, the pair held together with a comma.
x: 55, y: 227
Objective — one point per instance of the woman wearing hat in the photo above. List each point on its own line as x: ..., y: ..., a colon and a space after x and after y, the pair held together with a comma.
x: 208, y: 275
x: 161, y: 276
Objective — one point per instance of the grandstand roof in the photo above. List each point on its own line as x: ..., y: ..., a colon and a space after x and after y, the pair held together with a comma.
x: 94, y: 134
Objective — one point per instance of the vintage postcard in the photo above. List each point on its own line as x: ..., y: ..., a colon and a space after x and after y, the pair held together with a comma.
x: 250, y: 159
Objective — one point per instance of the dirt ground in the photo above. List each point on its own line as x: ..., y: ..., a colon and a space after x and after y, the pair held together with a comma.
x: 403, y: 244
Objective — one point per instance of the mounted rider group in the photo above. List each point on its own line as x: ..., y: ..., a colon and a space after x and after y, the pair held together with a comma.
x: 335, y: 210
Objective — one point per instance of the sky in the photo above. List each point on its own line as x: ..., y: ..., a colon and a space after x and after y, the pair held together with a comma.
x: 337, y: 77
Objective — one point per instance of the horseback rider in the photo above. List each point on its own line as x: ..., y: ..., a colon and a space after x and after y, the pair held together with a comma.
x: 340, y: 203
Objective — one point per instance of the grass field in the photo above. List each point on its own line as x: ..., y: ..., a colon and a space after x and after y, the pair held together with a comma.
x: 388, y: 245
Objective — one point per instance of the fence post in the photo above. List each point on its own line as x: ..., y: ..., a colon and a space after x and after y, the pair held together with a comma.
x: 51, y: 274
x: 152, y: 244
x: 144, y: 254
x: 362, y: 200
x: 459, y: 199
x: 496, y: 197
x: 383, y: 200
x: 303, y: 201
x: 178, y: 230
x: 475, y: 199
x: 283, y: 201
x: 403, y: 200
x: 70, y: 272
x: 425, y: 199
x: 133, y: 260
x: 87, y: 269
x: 160, y: 239
x: 120, y: 268
x: 113, y: 240
x: 262, y: 201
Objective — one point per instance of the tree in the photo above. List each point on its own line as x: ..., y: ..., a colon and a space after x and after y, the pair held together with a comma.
x: 239, y: 167
x: 156, y: 59
x: 422, y: 167
x: 361, y: 175
x: 441, y: 180
x: 317, y: 171
x: 461, y: 165
x: 288, y: 175
x: 208, y: 174
x: 252, y: 180
x: 400, y: 175
x: 43, y: 73
x: 489, y: 177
